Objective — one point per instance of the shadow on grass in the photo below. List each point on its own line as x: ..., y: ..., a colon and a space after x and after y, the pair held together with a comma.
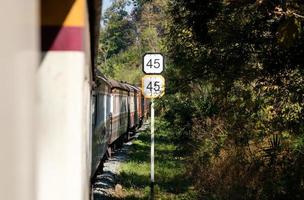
x: 131, y: 197
x: 133, y: 180
x: 176, y: 185
x: 169, y: 171
x: 139, y: 152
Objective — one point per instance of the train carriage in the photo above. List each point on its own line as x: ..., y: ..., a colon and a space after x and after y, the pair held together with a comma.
x: 131, y: 107
x: 137, y: 107
x: 67, y: 63
x: 101, y: 121
x: 145, y: 104
x: 119, y: 110
x: 73, y: 126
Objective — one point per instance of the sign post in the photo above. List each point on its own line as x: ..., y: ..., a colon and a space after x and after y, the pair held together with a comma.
x: 153, y: 86
x: 152, y: 149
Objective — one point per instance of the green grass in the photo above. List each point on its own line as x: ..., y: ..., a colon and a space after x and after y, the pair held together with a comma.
x: 170, y: 178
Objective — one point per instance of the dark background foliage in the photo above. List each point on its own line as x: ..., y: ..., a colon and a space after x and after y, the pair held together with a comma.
x: 235, y: 87
x: 236, y: 78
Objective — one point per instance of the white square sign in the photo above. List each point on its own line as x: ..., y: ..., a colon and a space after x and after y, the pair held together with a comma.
x: 153, y: 86
x: 153, y: 63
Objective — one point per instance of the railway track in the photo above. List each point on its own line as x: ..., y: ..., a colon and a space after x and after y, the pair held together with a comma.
x: 104, y: 186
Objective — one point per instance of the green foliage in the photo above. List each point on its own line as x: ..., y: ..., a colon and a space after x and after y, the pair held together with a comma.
x: 171, y: 182
x: 234, y: 103
x: 119, y: 31
x: 126, y: 37
x: 235, y: 95
x: 124, y: 66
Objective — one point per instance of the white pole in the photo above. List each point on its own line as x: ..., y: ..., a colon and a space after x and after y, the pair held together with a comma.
x: 152, y: 149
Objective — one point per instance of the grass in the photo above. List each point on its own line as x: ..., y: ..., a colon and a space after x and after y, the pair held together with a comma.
x: 171, y: 181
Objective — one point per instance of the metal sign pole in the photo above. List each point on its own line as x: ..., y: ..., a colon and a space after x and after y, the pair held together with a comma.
x: 153, y: 85
x: 152, y: 149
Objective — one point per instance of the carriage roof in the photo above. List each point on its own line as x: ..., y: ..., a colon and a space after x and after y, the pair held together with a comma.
x: 133, y: 88
x: 118, y: 85
x: 101, y: 79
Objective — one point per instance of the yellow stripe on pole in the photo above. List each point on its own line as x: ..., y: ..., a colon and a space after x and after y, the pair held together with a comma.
x: 76, y: 15
x: 63, y: 13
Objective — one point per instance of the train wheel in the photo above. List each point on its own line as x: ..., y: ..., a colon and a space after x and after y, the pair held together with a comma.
x: 120, y: 141
x: 126, y: 137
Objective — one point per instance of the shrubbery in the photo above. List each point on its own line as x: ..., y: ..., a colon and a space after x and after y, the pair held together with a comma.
x: 235, y: 96
x: 235, y: 88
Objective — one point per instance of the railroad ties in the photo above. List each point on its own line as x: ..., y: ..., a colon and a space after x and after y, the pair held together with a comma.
x: 105, y: 184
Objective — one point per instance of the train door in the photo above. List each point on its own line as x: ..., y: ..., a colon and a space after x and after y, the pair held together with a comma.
x: 108, y: 114
x: 93, y: 110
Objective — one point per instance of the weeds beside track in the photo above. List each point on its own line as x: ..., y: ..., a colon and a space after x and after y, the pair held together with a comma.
x: 171, y: 182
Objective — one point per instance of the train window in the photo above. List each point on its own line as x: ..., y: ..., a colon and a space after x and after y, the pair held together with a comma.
x: 116, y: 104
x: 135, y: 103
x: 93, y: 110
x: 125, y: 105
x: 100, y: 108
x: 121, y: 104
x: 108, y: 104
x: 132, y: 105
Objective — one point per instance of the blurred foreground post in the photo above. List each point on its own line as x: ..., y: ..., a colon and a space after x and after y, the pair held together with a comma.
x: 19, y: 57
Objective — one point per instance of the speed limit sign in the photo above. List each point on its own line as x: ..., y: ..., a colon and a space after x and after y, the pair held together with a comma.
x: 153, y: 63
x: 153, y: 86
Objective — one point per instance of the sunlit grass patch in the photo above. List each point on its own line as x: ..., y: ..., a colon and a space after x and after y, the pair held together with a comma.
x: 171, y: 181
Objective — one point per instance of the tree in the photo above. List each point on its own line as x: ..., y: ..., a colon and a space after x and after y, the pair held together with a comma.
x: 123, y: 62
x: 241, y: 66
x: 119, y: 32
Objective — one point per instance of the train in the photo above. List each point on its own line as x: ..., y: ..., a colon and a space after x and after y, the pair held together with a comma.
x: 118, y: 110
x: 59, y: 117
